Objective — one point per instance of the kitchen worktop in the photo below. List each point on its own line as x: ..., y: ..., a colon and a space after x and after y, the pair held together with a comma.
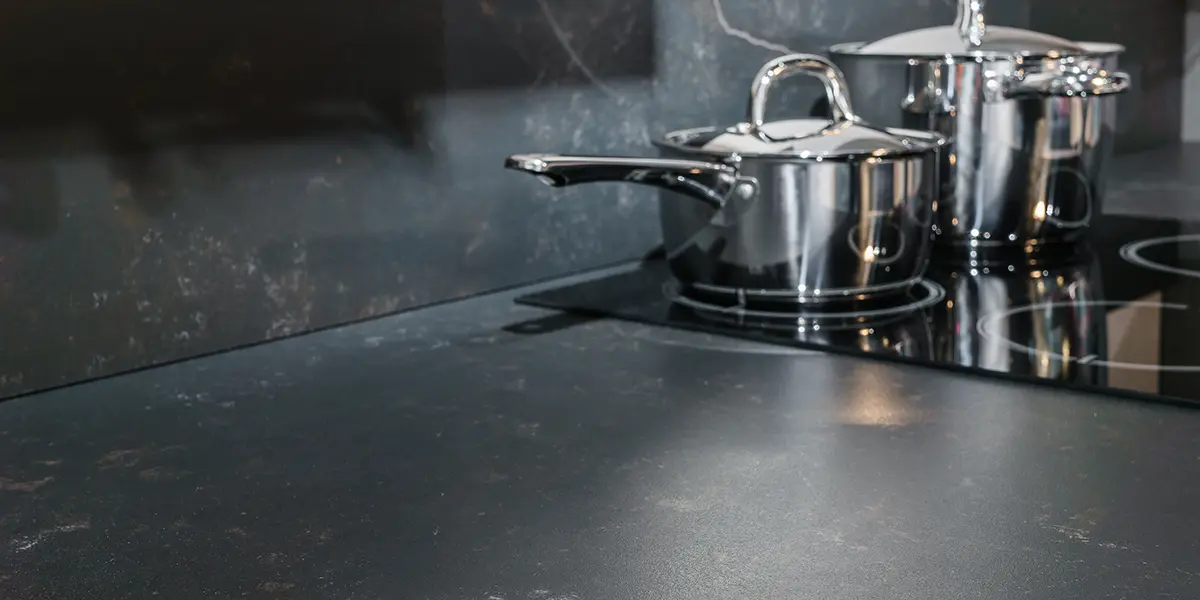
x: 1159, y: 182
x: 482, y: 450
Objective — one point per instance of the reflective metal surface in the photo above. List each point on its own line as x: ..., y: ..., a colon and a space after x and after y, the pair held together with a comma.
x: 896, y: 325
x: 901, y: 335
x: 1030, y: 132
x: 806, y: 224
x: 1039, y: 317
x: 712, y: 184
x: 971, y: 37
x: 970, y: 22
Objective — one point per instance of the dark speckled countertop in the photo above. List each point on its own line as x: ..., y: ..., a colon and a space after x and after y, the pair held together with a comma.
x: 480, y: 450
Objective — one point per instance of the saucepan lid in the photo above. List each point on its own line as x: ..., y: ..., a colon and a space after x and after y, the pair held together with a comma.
x: 971, y: 37
x: 843, y: 137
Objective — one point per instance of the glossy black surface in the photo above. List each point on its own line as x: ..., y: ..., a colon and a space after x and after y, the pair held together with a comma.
x: 487, y: 450
x: 1118, y: 312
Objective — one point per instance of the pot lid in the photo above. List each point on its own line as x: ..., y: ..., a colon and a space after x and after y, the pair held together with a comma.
x: 971, y: 36
x: 845, y: 136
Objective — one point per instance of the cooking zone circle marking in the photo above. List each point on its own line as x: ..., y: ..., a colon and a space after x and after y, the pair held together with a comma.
x: 927, y: 294
x: 1132, y: 253
x: 985, y: 326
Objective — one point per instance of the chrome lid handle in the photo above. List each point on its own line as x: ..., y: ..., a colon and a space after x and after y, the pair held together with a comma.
x: 970, y: 22
x: 808, y: 64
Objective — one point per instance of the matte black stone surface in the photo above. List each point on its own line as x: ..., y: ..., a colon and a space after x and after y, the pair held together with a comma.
x: 177, y: 179
x: 465, y: 452
x: 1164, y: 181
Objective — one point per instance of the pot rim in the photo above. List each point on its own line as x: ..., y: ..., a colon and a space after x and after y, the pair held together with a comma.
x: 1091, y: 50
x: 676, y: 140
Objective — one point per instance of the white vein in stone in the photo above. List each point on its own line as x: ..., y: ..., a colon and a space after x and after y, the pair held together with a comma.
x: 564, y: 40
x: 744, y: 35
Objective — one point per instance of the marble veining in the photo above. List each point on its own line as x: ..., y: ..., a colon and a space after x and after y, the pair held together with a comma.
x: 285, y: 175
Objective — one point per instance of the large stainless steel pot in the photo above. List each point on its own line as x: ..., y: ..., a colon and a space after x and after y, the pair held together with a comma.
x: 1030, y: 117
x: 796, y: 211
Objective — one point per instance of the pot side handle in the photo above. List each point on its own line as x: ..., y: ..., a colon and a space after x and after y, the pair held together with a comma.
x: 1064, y: 78
x: 710, y: 183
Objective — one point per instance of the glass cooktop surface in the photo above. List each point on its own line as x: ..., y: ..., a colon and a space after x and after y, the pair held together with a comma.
x: 1119, y: 312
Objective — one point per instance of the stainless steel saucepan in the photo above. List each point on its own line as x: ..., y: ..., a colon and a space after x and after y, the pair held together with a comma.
x: 796, y: 211
x: 1031, y: 119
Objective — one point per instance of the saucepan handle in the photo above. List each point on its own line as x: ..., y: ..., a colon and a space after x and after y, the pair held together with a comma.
x: 1068, y: 77
x: 711, y: 183
x: 798, y: 64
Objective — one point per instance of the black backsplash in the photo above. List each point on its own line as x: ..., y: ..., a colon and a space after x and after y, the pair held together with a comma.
x: 178, y: 178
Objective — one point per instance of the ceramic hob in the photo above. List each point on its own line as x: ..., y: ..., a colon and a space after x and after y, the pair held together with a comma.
x: 1118, y: 311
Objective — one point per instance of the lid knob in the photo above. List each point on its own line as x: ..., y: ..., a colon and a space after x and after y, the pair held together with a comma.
x: 808, y: 64
x: 970, y: 22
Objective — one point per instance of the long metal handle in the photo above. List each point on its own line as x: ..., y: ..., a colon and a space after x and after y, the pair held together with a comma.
x: 1065, y: 78
x: 970, y: 22
x: 793, y: 64
x: 710, y: 183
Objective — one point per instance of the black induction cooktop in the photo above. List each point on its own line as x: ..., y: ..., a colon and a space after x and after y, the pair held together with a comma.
x: 1119, y: 311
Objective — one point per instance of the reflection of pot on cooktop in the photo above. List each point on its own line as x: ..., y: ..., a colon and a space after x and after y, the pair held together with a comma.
x: 894, y: 325
x: 1040, y: 316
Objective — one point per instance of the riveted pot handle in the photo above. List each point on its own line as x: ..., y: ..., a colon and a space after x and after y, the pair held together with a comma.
x: 1065, y: 78
x: 808, y: 64
x: 711, y: 183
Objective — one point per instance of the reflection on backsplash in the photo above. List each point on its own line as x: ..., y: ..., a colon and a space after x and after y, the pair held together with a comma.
x: 278, y: 175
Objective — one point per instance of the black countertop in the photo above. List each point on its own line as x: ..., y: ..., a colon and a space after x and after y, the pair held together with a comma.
x: 1162, y: 182
x: 481, y: 450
